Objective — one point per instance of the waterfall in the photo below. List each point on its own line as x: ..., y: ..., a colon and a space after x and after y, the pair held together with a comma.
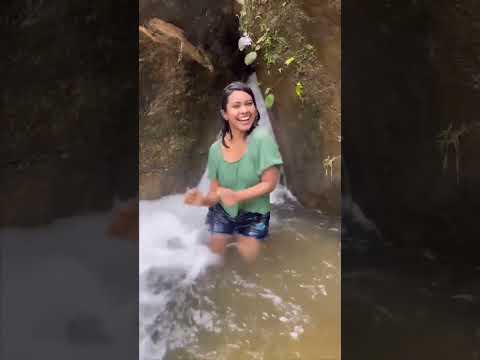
x: 262, y: 109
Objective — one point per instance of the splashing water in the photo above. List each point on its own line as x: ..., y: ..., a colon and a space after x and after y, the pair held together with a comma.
x: 187, y: 310
x: 173, y: 253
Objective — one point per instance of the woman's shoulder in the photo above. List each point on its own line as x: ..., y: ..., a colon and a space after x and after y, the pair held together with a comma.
x: 214, y: 148
x: 215, y: 145
x: 261, y: 133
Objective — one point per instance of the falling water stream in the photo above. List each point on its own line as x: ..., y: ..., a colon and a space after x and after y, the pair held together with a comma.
x: 193, y: 305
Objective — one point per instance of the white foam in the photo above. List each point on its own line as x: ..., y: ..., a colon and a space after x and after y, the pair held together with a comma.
x: 173, y: 236
x: 282, y: 195
x: 173, y: 254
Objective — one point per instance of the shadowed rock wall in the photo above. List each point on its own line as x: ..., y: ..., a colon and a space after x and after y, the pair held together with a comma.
x: 419, y: 61
x: 65, y: 129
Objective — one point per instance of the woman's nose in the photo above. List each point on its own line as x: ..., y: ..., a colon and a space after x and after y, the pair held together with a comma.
x: 244, y: 109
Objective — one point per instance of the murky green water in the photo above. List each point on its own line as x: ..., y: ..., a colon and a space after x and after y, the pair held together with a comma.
x: 285, y: 306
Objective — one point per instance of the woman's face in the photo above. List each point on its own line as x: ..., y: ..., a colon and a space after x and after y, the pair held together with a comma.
x: 240, y: 112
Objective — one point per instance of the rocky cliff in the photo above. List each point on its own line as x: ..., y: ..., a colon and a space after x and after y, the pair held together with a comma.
x: 298, y: 46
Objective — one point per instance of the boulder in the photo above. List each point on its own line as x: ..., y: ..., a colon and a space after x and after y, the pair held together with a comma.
x: 298, y: 45
x: 187, y: 55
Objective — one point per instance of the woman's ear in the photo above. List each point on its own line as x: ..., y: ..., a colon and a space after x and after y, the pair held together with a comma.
x: 224, y: 115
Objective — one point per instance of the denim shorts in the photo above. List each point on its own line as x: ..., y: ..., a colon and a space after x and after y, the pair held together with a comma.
x: 245, y: 223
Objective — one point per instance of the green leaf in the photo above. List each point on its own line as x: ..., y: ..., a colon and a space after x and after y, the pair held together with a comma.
x: 250, y: 57
x: 289, y: 60
x: 299, y: 89
x: 269, y: 100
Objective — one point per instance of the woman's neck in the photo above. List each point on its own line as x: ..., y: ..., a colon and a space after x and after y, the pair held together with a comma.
x: 236, y: 136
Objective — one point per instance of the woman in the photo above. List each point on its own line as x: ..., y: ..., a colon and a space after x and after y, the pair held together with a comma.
x: 243, y: 170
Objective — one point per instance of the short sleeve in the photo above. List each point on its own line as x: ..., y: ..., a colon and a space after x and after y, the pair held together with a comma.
x: 268, y: 153
x: 212, y: 163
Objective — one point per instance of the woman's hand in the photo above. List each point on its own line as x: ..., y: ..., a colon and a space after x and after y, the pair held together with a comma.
x: 194, y: 197
x: 228, y: 197
x: 213, y: 197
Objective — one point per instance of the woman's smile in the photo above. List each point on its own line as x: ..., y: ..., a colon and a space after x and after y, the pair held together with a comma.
x: 240, y: 111
x: 245, y: 119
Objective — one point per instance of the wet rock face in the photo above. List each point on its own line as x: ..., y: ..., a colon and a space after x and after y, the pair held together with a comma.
x: 180, y: 93
x: 307, y: 126
x: 422, y: 93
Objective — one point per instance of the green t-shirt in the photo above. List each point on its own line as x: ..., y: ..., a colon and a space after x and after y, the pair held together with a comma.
x: 262, y: 153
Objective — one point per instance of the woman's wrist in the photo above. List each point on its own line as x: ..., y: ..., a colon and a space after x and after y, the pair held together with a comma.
x: 211, y: 199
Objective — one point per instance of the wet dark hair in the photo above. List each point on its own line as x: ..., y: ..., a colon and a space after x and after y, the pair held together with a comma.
x: 227, y: 91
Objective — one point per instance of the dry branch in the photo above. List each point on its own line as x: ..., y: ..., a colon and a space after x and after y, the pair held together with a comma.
x: 172, y: 37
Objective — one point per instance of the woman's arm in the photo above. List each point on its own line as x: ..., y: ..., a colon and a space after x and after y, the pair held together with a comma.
x: 266, y: 185
x: 212, y: 197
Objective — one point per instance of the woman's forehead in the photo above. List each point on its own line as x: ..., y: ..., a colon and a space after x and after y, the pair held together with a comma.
x: 239, y: 96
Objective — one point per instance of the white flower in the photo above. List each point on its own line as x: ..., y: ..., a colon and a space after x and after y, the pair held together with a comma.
x: 243, y: 42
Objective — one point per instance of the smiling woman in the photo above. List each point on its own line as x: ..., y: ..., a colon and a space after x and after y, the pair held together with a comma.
x: 243, y: 170
x: 240, y: 114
